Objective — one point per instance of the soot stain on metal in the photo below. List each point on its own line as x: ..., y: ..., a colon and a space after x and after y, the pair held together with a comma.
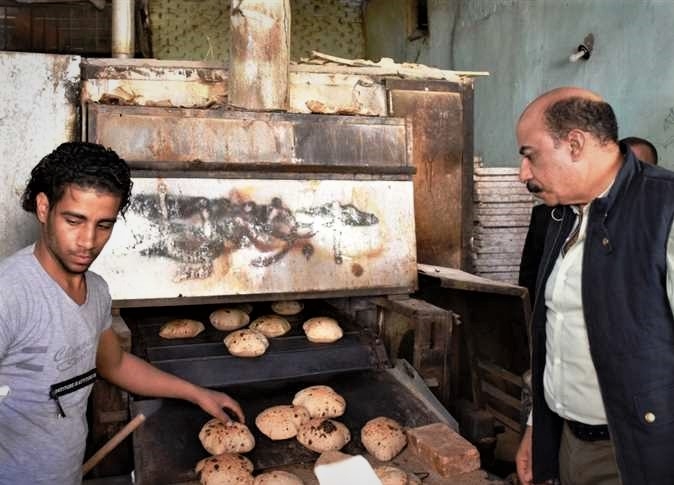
x: 196, y: 230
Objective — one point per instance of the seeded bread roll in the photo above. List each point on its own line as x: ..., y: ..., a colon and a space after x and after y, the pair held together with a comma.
x: 181, y: 328
x: 322, y: 330
x: 231, y: 437
x: 383, y: 438
x: 281, y: 422
x: 390, y: 475
x: 246, y: 343
x: 287, y: 308
x: 271, y: 325
x: 225, y: 469
x: 321, y: 435
x: 278, y: 477
x: 229, y: 319
x: 321, y: 402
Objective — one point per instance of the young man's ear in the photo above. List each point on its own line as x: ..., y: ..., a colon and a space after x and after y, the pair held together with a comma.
x: 41, y: 207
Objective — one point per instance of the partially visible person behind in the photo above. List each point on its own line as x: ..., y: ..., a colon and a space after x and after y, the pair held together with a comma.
x: 643, y: 149
x: 541, y: 215
x: 55, y: 319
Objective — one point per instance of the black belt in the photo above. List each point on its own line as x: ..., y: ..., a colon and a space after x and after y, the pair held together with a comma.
x: 588, y: 432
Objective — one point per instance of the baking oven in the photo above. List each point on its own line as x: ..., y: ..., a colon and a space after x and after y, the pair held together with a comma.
x: 232, y: 206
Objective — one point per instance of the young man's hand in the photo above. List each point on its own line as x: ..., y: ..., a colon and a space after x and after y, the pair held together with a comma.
x: 213, y: 403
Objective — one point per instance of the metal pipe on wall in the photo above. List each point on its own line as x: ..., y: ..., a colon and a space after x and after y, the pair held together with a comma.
x: 123, y: 28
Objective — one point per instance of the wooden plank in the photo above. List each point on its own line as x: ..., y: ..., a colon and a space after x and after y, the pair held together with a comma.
x: 500, y: 372
x: 500, y: 196
x: 460, y: 280
x: 486, y: 171
x: 504, y: 220
x: 509, y: 422
x: 502, y: 209
x: 500, y: 395
x: 479, y: 178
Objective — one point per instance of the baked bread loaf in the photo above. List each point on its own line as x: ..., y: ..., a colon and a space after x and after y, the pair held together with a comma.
x: 225, y: 469
x: 383, y: 438
x: 181, y: 328
x: 321, y: 402
x: 322, y: 330
x: 390, y: 475
x: 229, y: 319
x: 287, y: 308
x: 281, y: 422
x: 278, y: 477
x: 321, y: 435
x: 271, y: 325
x: 246, y: 343
x: 218, y: 437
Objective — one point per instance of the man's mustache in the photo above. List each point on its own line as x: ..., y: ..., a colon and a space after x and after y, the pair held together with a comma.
x: 533, y: 188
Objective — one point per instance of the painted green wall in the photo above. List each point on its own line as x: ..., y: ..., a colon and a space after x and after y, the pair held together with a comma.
x: 525, y: 44
x: 199, y: 29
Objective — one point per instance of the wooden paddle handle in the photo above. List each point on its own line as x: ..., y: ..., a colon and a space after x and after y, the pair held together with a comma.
x: 112, y: 443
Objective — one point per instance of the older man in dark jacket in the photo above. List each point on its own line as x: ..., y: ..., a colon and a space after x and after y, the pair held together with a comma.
x: 602, y: 331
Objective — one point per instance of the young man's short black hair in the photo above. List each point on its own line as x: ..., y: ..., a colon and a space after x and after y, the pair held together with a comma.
x: 86, y: 165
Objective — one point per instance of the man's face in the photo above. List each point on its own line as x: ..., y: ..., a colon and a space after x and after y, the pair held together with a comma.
x: 76, y: 228
x: 546, y: 169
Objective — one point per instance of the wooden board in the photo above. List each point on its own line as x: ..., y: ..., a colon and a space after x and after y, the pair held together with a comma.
x: 502, y: 213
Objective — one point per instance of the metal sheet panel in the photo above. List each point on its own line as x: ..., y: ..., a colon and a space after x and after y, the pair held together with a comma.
x: 38, y: 111
x: 439, y: 156
x: 142, y: 134
x: 194, y: 237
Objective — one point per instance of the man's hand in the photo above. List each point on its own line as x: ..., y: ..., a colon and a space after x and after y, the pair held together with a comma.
x: 523, y: 459
x: 212, y: 402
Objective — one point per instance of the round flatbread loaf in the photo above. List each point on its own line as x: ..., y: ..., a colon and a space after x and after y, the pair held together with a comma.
x: 231, y: 437
x: 322, y: 330
x: 246, y: 343
x: 287, y: 308
x: 181, y: 328
x: 278, y: 477
x: 383, y: 438
x: 321, y: 435
x: 229, y: 319
x: 271, y: 325
x: 225, y: 469
x: 321, y: 402
x: 390, y: 475
x: 281, y: 422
